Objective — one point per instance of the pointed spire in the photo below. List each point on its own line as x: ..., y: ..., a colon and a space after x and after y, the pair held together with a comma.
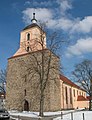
x: 34, y: 20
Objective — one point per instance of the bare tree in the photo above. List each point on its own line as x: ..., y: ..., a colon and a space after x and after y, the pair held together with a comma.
x: 44, y: 64
x: 2, y: 79
x: 83, y: 73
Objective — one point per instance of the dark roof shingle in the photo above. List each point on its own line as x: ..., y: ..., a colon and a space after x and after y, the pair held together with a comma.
x: 31, y: 25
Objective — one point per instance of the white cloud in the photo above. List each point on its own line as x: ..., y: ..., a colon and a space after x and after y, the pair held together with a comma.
x: 27, y: 3
x: 45, y: 3
x: 84, y: 26
x: 42, y: 14
x: 74, y: 25
x: 48, y: 15
x: 64, y: 23
x: 64, y: 5
x: 81, y: 47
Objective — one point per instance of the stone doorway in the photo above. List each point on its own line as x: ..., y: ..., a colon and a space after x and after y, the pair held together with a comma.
x: 26, y: 106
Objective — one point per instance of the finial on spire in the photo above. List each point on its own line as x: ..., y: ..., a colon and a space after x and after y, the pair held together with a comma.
x: 33, y: 15
x: 33, y: 20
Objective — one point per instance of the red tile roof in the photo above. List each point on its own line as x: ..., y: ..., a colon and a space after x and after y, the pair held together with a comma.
x: 69, y: 82
x: 89, y: 98
x: 82, y: 98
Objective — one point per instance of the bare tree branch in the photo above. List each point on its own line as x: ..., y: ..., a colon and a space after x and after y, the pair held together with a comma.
x: 83, y: 73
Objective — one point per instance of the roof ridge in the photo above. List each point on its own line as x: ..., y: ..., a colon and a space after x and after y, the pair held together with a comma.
x: 69, y: 82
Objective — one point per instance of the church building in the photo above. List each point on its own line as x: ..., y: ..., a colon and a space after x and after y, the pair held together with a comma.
x: 32, y: 63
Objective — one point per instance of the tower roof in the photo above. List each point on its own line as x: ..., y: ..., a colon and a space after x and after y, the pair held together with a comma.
x: 31, y: 26
x: 34, y: 23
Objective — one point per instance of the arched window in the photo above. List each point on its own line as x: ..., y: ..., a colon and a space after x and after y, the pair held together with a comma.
x: 28, y: 49
x: 28, y: 36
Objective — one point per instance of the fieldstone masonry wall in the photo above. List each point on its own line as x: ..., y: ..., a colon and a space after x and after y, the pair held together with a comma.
x: 21, y: 76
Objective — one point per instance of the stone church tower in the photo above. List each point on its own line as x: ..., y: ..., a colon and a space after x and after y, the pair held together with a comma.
x: 24, y: 73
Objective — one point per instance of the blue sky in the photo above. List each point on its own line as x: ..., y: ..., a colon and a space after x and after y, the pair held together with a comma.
x: 73, y: 18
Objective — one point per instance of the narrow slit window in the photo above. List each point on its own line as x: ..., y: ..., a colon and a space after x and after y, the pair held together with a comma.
x: 70, y: 96
x: 28, y: 36
x: 66, y: 94
x: 25, y: 92
x: 74, y: 92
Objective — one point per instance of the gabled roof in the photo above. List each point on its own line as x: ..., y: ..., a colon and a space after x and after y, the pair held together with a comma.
x: 69, y: 82
x: 81, y: 98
